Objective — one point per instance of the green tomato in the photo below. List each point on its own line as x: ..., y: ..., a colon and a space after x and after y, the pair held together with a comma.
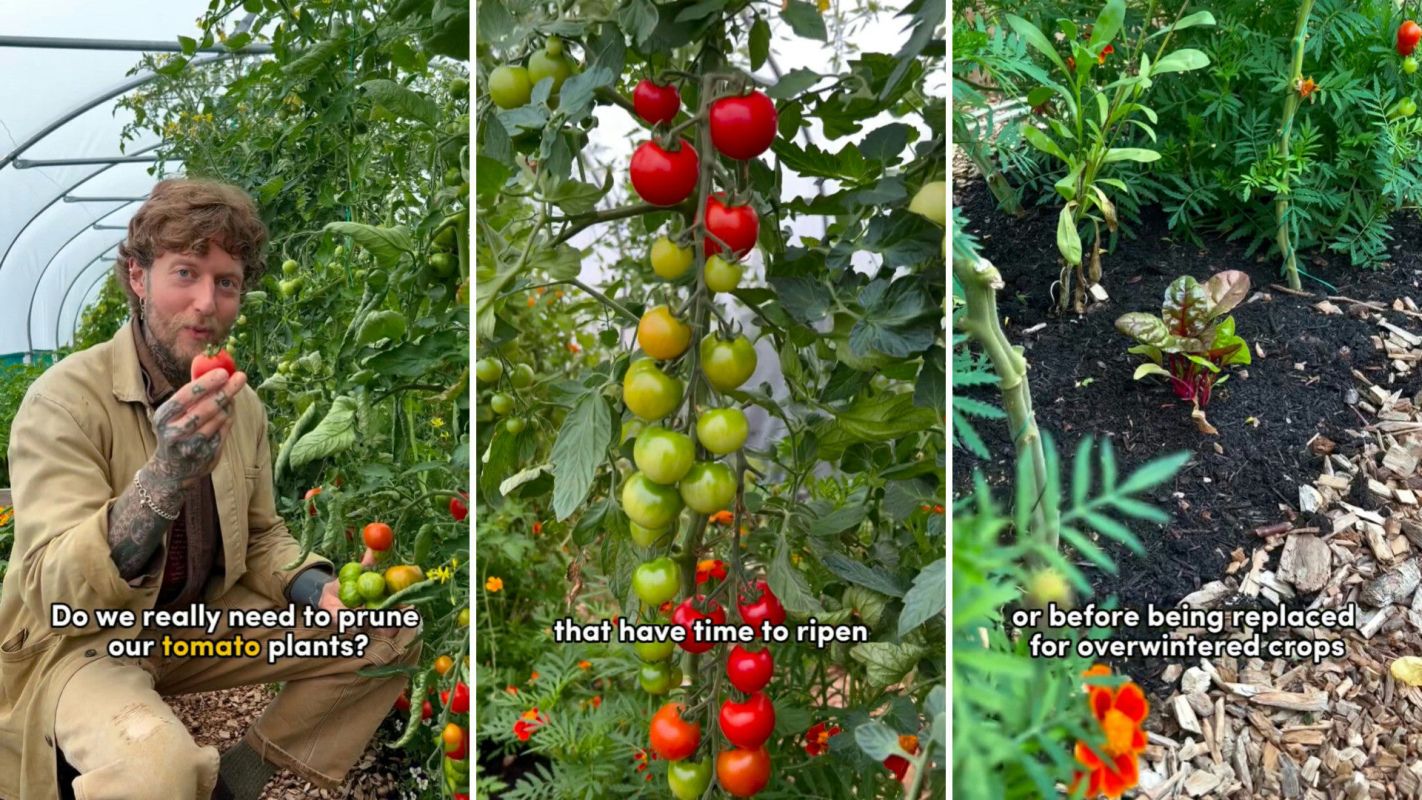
x: 501, y: 403
x: 290, y: 287
x: 554, y: 46
x: 349, y: 595
x: 350, y: 571
x: 651, y: 652
x: 662, y: 455
x: 546, y: 64
x: 1407, y: 107
x: 515, y: 425
x: 650, y: 393
x: 650, y: 504
x: 510, y: 86
x: 459, y: 88
x: 1409, y: 65
x: 289, y: 267
x: 722, y: 275
x: 722, y: 430
x: 488, y: 370
x: 669, y: 261
x: 371, y: 586
x: 931, y: 202
x: 443, y: 265
x: 657, y: 581
x: 522, y: 376
x: 648, y: 537
x: 659, y: 678
x: 727, y: 364
x: 689, y: 779
x: 382, y: 325
x: 708, y: 487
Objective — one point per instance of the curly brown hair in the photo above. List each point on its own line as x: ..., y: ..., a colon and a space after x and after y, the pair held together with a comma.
x: 187, y: 215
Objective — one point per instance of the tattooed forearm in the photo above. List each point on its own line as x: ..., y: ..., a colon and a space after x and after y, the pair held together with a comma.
x: 135, y: 531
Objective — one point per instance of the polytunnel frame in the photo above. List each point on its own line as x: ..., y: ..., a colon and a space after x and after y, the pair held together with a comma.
x: 219, y: 54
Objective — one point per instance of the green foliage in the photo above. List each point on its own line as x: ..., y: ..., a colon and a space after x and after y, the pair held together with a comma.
x: 15, y: 381
x: 1017, y: 717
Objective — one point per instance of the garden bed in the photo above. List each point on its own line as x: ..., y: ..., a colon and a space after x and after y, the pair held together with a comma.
x: 1299, y: 385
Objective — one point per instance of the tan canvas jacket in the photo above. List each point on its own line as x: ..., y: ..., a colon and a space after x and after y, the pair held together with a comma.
x: 81, y: 433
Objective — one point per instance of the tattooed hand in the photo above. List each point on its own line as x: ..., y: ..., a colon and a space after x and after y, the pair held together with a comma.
x: 192, y: 425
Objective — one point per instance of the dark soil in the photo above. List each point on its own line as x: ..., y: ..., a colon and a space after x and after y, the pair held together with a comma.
x: 1248, y: 475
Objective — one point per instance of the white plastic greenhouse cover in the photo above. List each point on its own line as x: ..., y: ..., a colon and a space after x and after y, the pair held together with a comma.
x: 60, y: 224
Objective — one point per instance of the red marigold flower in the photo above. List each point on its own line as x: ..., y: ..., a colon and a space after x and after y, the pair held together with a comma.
x: 898, y: 764
x: 817, y: 738
x: 710, y: 568
x: 537, y: 527
x: 1105, y: 51
x: 1120, y: 713
x: 1306, y: 88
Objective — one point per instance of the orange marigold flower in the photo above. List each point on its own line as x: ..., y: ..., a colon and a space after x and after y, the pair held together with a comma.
x: 1120, y: 713
x: 532, y: 301
x: 537, y: 527
x: 533, y: 677
x: 1105, y: 51
x: 721, y: 518
x: 574, y: 347
x: 710, y: 568
x: 817, y: 738
x: 585, y: 664
x: 597, y: 701
x: 1306, y: 88
x: 494, y: 584
x: 512, y: 689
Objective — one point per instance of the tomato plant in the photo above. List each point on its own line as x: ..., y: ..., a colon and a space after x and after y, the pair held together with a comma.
x: 732, y: 294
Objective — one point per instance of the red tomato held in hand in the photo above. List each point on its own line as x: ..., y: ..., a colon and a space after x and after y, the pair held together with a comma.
x: 458, y: 509
x: 1409, y: 34
x: 737, y: 226
x: 743, y: 127
x: 655, y: 103
x: 671, y: 736
x: 378, y: 536
x: 688, y: 613
x: 206, y: 362
x: 743, y: 773
x: 749, y: 670
x: 748, y: 724
x: 766, y: 607
x: 664, y: 177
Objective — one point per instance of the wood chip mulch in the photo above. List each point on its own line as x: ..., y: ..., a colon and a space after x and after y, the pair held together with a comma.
x: 1246, y: 728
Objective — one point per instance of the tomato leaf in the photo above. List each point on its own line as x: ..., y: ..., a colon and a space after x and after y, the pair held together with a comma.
x: 886, y: 144
x: 575, y: 97
x: 336, y: 432
x: 574, y: 197
x: 793, y: 83
x: 841, y: 519
x: 926, y: 599
x: 789, y: 585
x: 402, y: 102
x: 701, y: 10
x: 877, y: 740
x: 523, y: 476
x: 897, y: 319
x: 581, y: 446
x: 805, y: 20
x: 386, y: 244
x: 759, y: 43
x: 858, y: 574
x: 806, y: 299
x: 887, y: 663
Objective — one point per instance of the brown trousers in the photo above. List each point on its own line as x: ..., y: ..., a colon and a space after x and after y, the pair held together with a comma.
x: 116, y: 730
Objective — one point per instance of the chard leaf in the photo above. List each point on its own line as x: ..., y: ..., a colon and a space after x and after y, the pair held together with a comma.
x: 1186, y: 308
x: 1226, y: 290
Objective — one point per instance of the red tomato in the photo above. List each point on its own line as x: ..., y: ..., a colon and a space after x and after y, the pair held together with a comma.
x: 458, y: 509
x: 766, y: 607
x: 1408, y: 35
x: 743, y: 773
x: 656, y: 103
x: 458, y: 700
x: 426, y: 710
x: 664, y: 177
x: 743, y: 127
x: 402, y: 703
x: 748, y: 724
x: 737, y: 226
x: 378, y: 536
x: 673, y: 737
x: 749, y: 670
x: 204, y: 363
x: 688, y: 613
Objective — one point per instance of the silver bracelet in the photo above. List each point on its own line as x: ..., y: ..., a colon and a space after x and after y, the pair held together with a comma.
x: 147, y: 500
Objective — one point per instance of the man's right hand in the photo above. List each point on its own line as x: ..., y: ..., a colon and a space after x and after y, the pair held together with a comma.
x: 192, y: 425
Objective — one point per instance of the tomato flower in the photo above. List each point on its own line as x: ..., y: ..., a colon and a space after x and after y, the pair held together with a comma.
x: 710, y: 568
x: 817, y: 738
x: 494, y: 584
x: 1120, y: 713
